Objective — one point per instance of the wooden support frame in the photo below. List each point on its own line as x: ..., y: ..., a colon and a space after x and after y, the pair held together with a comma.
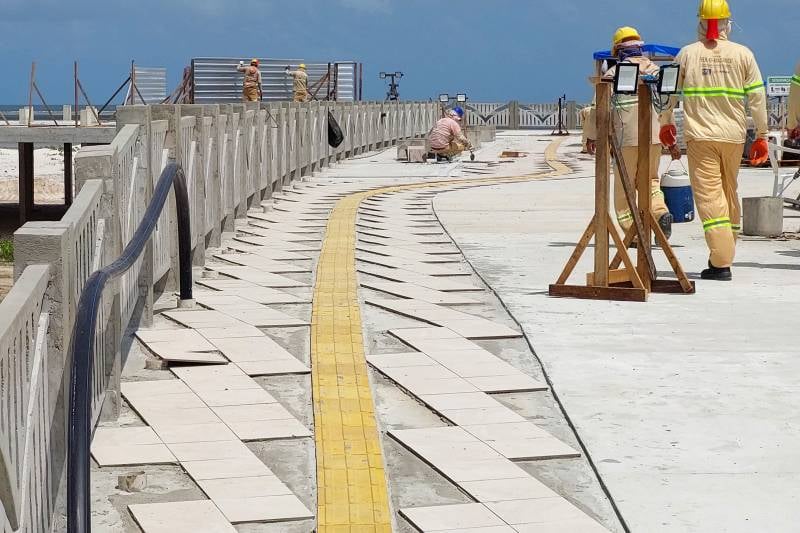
x: 634, y: 281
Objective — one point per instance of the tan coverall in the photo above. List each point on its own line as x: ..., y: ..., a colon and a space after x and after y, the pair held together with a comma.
x: 300, y: 85
x: 794, y: 101
x: 585, y: 112
x: 251, y: 90
x: 625, y: 114
x: 717, y: 77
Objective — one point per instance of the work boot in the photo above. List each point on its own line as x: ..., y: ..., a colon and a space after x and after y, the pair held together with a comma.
x: 713, y: 273
x: 665, y: 222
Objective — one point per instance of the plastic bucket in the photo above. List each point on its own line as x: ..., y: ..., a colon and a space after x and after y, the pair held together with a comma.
x: 677, y: 191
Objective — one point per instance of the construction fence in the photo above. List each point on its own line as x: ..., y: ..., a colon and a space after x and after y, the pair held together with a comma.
x: 234, y: 156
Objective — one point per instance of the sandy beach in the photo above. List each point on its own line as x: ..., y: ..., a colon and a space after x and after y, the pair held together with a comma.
x: 48, y: 173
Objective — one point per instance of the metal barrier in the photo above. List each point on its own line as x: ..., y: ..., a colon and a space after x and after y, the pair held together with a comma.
x: 81, y: 351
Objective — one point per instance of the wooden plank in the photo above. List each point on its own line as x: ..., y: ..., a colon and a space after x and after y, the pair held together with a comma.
x: 629, y: 236
x: 672, y: 286
x: 601, y: 187
x: 577, y: 253
x: 644, y: 252
x: 662, y: 241
x: 619, y: 294
x: 615, y: 277
x: 633, y: 275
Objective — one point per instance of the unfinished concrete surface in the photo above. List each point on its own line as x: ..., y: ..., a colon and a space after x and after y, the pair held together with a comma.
x: 683, y: 430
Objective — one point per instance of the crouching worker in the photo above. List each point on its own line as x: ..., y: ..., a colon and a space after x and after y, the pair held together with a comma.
x: 446, y: 138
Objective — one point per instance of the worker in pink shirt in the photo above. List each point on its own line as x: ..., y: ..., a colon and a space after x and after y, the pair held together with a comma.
x: 446, y: 138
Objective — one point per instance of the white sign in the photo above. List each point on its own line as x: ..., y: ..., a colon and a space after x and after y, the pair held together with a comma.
x: 779, y: 85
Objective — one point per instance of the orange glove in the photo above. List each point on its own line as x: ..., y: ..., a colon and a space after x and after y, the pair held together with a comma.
x: 668, y: 135
x: 759, y: 153
x: 794, y: 134
x: 591, y: 147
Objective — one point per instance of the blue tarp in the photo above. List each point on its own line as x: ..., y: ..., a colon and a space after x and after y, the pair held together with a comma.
x: 657, y: 49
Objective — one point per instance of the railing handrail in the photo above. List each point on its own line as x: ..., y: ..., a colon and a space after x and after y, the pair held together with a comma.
x: 81, y: 351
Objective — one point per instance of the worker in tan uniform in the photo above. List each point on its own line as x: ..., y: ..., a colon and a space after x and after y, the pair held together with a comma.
x: 300, y: 83
x: 251, y: 89
x: 793, y: 123
x: 584, y: 114
x: 446, y: 139
x: 627, y: 47
x: 717, y: 77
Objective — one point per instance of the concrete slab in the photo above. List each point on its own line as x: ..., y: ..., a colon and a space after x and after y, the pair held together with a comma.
x: 181, y: 517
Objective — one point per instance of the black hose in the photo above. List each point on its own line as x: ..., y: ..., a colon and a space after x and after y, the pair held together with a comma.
x: 81, y: 352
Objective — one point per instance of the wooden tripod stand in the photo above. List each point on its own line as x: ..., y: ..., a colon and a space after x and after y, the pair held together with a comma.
x: 633, y: 282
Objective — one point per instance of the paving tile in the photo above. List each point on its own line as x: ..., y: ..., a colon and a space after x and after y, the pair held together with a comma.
x: 274, y: 367
x: 265, y: 279
x: 267, y: 252
x: 162, y: 387
x: 124, y: 436
x: 579, y: 525
x: 269, y: 429
x: 500, y: 384
x: 422, y: 386
x: 189, y: 337
x: 237, y: 331
x: 534, y: 449
x: 207, y: 451
x: 221, y: 398
x: 264, y: 509
x: 400, y: 360
x: 245, y: 413
x: 276, y: 244
x: 409, y: 290
x: 501, y: 431
x: 248, y: 291
x: 500, y: 415
x: 262, y: 263
x: 499, y: 490
x: 263, y: 317
x: 245, y: 466
x: 538, y: 510
x: 213, y: 299
x: 201, y: 318
x: 160, y: 417
x: 131, y: 454
x: 448, y: 517
x: 490, y: 529
x: 431, y: 282
x: 181, y: 517
x: 482, y: 470
x: 195, y: 433
x: 413, y: 266
x: 466, y: 400
x: 243, y: 487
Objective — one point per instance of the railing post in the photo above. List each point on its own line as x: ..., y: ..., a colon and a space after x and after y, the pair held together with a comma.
x: 214, y: 178
x: 513, y: 115
x: 572, y: 115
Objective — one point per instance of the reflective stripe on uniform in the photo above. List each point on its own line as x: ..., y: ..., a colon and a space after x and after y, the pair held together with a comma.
x: 736, y: 228
x: 752, y: 88
x: 625, y: 216
x: 658, y: 192
x: 713, y: 91
x: 796, y: 79
x: 713, y: 223
x: 624, y: 103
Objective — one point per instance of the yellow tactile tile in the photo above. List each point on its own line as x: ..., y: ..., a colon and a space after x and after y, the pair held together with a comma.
x: 352, y: 487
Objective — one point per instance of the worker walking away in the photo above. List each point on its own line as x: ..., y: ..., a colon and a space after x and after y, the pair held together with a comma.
x: 627, y: 47
x: 300, y: 82
x: 251, y: 89
x: 793, y: 123
x: 446, y: 139
x: 717, y: 77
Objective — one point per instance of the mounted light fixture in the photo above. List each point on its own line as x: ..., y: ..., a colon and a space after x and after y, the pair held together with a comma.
x: 668, y: 79
x: 382, y: 75
x: 461, y: 98
x: 444, y: 98
x: 626, y: 80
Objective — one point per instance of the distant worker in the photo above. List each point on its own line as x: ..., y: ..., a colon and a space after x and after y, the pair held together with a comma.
x: 585, y: 113
x: 251, y: 90
x: 717, y: 77
x: 794, y: 106
x: 300, y: 82
x: 446, y: 138
x: 627, y: 47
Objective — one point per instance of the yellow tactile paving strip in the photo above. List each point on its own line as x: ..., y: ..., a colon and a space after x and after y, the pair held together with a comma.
x: 352, y: 489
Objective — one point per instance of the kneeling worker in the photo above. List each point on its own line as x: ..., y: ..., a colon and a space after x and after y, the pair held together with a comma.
x: 300, y: 78
x: 446, y: 138
x: 251, y: 90
x: 627, y: 47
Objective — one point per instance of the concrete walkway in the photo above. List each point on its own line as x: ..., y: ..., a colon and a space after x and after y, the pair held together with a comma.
x: 686, y: 403
x: 346, y: 370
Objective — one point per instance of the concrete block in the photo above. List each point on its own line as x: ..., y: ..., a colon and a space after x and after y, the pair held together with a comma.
x: 66, y: 112
x: 23, y: 115
x: 762, y: 216
x: 132, y: 482
x: 417, y: 154
x: 87, y: 117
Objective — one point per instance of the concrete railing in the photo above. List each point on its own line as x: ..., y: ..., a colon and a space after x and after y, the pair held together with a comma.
x: 234, y: 156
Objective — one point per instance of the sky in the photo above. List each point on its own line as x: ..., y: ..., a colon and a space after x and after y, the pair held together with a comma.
x: 494, y: 50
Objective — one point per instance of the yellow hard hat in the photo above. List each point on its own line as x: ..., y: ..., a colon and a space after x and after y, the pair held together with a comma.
x: 303, y: 66
x: 626, y: 33
x: 714, y: 10
x: 254, y: 61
